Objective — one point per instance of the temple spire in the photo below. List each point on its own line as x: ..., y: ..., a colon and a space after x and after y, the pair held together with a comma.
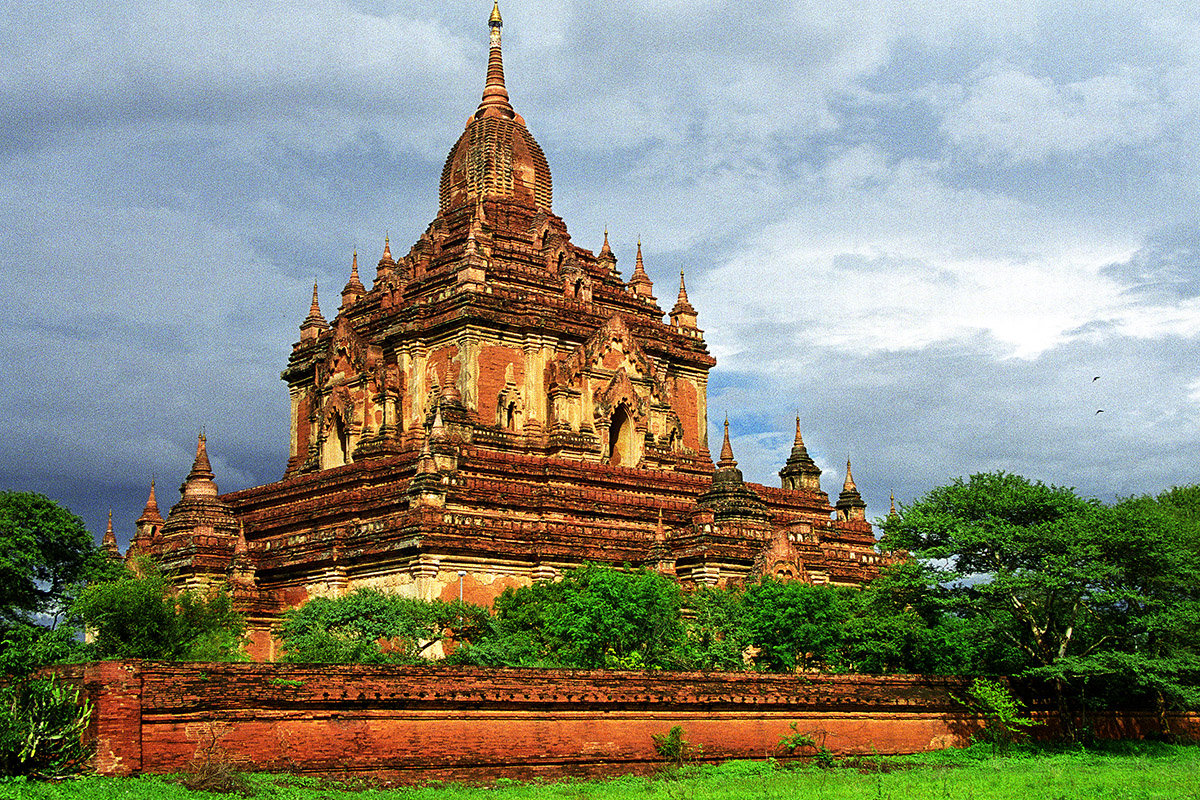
x: 800, y: 472
x: 200, y: 481
x: 354, y: 288
x: 495, y: 94
x: 314, y: 323
x: 726, y: 450
x: 639, y: 281
x: 151, y: 513
x: 850, y: 505
x: 314, y: 309
x: 109, y: 542
x: 683, y: 315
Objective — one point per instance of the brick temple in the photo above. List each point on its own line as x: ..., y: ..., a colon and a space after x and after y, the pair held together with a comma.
x: 499, y: 405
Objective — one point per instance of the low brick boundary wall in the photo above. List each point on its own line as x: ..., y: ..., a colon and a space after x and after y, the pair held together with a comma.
x: 416, y: 723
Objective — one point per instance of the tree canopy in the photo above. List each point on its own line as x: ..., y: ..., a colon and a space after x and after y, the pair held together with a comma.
x: 1065, y: 587
x: 143, y: 616
x: 371, y: 627
x: 46, y: 557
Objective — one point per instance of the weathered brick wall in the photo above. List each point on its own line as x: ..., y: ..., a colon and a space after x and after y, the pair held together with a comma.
x: 411, y: 723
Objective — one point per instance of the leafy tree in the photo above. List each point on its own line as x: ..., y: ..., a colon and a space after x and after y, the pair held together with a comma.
x: 142, y: 616
x: 716, y: 630
x: 371, y: 627
x: 46, y: 556
x: 25, y: 647
x: 794, y: 625
x: 1078, y: 590
x: 1021, y: 554
x: 597, y: 616
x: 1149, y: 633
x: 898, y: 624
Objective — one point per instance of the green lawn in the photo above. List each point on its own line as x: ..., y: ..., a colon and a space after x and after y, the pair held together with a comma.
x: 1129, y: 771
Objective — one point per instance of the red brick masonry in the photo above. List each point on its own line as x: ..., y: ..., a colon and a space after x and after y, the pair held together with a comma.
x: 414, y: 723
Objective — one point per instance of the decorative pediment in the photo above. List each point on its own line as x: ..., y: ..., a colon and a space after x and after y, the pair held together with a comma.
x: 780, y: 559
x: 349, y: 355
x: 620, y: 390
x: 338, y: 406
x: 610, y: 348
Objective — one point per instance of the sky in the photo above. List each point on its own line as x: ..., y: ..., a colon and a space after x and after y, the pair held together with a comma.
x: 952, y: 237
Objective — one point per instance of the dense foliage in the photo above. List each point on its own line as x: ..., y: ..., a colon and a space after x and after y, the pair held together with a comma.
x: 1102, y: 600
x: 142, y: 616
x: 370, y: 627
x: 46, y: 557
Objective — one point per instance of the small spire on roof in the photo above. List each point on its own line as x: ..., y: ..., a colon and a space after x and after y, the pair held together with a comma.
x: 849, y: 484
x: 726, y: 459
x: 892, y: 513
x: 109, y: 542
x: 199, y: 481
x: 799, y: 442
x: 240, y: 548
x: 150, y: 513
x: 354, y: 288
x: 314, y: 323
x: 639, y: 280
x: 683, y: 315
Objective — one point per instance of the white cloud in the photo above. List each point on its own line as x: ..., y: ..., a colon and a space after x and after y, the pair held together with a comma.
x: 1008, y: 115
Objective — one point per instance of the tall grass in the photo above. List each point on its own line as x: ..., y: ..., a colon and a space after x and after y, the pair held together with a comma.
x: 1124, y: 772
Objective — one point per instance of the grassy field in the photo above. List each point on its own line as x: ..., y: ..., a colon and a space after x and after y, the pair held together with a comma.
x: 1121, y: 772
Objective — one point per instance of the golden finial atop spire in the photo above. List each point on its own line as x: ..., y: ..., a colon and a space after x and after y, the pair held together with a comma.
x: 495, y: 94
x: 892, y: 513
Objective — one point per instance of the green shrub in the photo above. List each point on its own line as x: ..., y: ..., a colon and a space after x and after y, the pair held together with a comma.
x: 42, y: 727
x: 1004, y: 724
x: 674, y: 749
